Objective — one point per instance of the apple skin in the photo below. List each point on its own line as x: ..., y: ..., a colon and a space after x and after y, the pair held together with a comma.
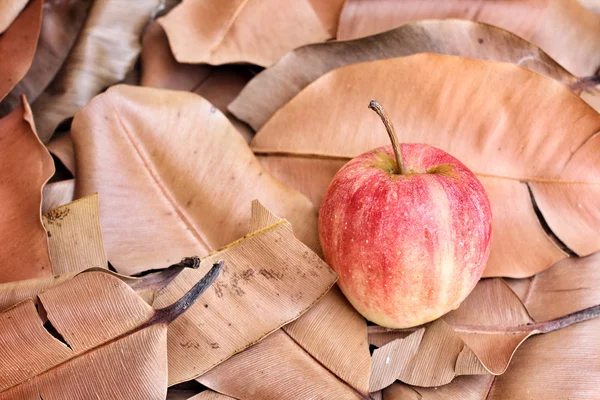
x: 407, y: 248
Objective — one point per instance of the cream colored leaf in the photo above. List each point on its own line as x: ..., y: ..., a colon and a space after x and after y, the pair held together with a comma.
x: 56, y: 194
x: 74, y: 236
x: 233, y: 31
x: 210, y: 395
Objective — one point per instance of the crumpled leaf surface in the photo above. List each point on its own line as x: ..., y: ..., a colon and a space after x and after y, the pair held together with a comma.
x: 269, y: 279
x: 498, y: 133
x: 10, y: 9
x: 218, y: 85
x: 17, y: 46
x: 61, y: 23
x: 25, y: 166
x: 564, y: 29
x: 233, y: 31
x: 101, y: 318
x: 113, y: 27
x: 75, y: 237
x: 173, y: 164
x: 275, y: 86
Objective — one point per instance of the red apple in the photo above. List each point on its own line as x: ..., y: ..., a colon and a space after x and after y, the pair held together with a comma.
x: 407, y: 231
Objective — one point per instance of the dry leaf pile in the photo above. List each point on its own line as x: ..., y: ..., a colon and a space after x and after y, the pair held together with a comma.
x: 163, y: 163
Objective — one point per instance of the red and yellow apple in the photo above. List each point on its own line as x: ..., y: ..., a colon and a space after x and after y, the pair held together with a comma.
x: 407, y: 231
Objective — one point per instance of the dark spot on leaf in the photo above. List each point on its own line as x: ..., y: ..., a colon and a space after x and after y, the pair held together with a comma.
x: 480, y: 41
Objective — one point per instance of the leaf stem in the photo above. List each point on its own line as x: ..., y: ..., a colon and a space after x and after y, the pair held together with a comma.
x: 567, y: 320
x: 389, y: 127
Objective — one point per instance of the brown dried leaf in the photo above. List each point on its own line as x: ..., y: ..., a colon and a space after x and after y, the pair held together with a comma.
x: 474, y: 387
x: 18, y: 44
x: 113, y: 28
x: 484, y: 113
x: 100, y: 319
x: 270, y: 279
x: 61, y: 24
x: 275, y: 86
x: 229, y: 31
x: 10, y: 9
x: 25, y: 166
x: 218, y: 85
x: 564, y: 29
x: 265, y: 371
x: 74, y: 236
x: 174, y: 167
x: 56, y: 194
x: 329, y: 13
x: 210, y: 395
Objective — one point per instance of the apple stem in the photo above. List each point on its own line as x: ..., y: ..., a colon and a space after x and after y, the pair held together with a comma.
x: 389, y: 127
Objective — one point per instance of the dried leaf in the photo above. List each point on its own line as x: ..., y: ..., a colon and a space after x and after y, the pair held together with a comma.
x: 10, y: 9
x: 25, y: 166
x: 496, y: 132
x: 74, y: 236
x: 218, y: 85
x: 275, y: 86
x: 329, y: 13
x: 61, y: 24
x: 270, y: 278
x: 210, y: 395
x: 61, y: 146
x: 100, y: 319
x: 254, y: 377
x: 175, y: 167
x: 564, y: 29
x: 56, y: 194
x: 17, y: 46
x: 464, y: 388
x: 113, y: 28
x: 229, y: 31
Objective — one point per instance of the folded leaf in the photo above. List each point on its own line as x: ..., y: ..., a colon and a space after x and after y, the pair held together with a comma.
x: 17, y: 46
x: 562, y: 28
x: 113, y: 28
x: 25, y: 166
x: 101, y: 319
x: 61, y: 146
x: 210, y: 395
x: 270, y: 278
x: 175, y: 178
x: 56, y: 194
x: 277, y: 85
x: 484, y: 113
x: 9, y: 10
x: 230, y: 31
x: 329, y: 13
x: 74, y: 236
x: 474, y: 387
x: 61, y: 23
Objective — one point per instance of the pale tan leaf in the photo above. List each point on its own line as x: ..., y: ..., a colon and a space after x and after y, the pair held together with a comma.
x: 57, y: 193
x: 177, y: 169
x: 61, y: 24
x: 113, y: 28
x: 74, y: 236
x: 114, y: 339
x: 230, y: 31
x: 462, y: 388
x: 563, y: 28
x: 496, y: 132
x: 18, y: 44
x: 329, y: 13
x: 10, y: 9
x: 61, y: 146
x: 210, y: 395
x: 269, y: 279
x: 12, y: 293
x: 25, y: 166
x: 275, y: 86
x: 592, y: 5
x: 297, y: 375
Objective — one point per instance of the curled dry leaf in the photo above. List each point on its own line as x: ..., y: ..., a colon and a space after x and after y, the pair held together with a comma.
x: 266, y: 370
x: 74, y: 236
x: 218, y: 85
x: 56, y: 194
x: 474, y: 387
x: 270, y: 278
x: 272, y: 88
x: 61, y: 23
x: 100, y: 319
x: 61, y: 146
x: 489, y: 115
x: 564, y: 29
x: 25, y: 166
x: 17, y: 46
x: 177, y: 171
x: 10, y: 9
x: 112, y: 28
x: 252, y: 31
